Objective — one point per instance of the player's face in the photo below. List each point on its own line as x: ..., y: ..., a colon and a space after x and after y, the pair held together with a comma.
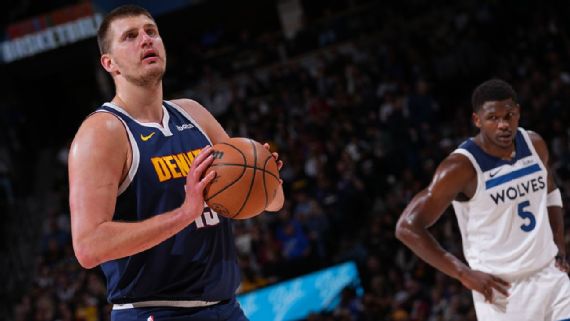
x: 137, y: 51
x: 498, y: 122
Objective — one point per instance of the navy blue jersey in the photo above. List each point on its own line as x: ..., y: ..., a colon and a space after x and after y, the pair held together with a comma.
x: 198, y: 263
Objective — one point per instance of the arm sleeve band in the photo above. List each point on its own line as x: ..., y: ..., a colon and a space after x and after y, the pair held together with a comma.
x: 554, y: 198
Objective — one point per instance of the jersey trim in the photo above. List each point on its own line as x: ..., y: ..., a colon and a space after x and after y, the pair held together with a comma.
x: 163, y: 127
x: 530, y: 145
x: 185, y: 114
x: 164, y: 303
x: 135, y: 154
x: 475, y: 165
x: 494, y: 182
x: 488, y: 162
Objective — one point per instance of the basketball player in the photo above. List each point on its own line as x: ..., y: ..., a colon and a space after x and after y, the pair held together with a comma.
x: 509, y: 212
x: 136, y: 180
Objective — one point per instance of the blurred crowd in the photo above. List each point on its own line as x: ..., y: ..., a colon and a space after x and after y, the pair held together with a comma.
x: 361, y: 111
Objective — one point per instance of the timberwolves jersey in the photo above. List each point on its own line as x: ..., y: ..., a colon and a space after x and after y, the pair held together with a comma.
x: 198, y: 263
x: 505, y: 226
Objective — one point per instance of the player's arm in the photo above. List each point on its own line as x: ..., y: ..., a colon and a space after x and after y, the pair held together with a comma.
x: 452, y: 177
x: 217, y: 134
x: 98, y: 160
x: 554, y: 203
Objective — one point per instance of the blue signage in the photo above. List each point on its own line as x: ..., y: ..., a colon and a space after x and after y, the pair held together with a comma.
x: 296, y: 298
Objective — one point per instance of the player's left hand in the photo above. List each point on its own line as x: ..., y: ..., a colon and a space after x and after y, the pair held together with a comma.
x: 276, y: 157
x: 562, y: 263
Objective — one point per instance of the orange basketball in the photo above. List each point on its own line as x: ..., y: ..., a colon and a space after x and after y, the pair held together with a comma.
x: 247, y: 178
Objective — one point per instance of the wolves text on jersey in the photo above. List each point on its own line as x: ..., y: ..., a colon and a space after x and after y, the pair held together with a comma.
x: 519, y: 190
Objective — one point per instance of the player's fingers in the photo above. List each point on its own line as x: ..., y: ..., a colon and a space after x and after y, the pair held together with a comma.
x: 488, y: 294
x: 279, y: 164
x: 204, y: 153
x: 266, y: 145
x: 501, y: 288
x: 501, y: 281
x: 207, y: 180
x: 501, y: 285
x: 199, y: 170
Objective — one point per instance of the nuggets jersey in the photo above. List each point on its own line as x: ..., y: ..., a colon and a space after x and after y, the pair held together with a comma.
x: 504, y: 226
x: 198, y: 263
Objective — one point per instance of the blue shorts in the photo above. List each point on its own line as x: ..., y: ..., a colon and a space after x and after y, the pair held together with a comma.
x: 223, y: 311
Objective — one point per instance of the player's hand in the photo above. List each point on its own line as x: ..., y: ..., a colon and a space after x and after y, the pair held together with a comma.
x: 276, y: 157
x: 484, y: 283
x: 195, y: 183
x: 562, y: 263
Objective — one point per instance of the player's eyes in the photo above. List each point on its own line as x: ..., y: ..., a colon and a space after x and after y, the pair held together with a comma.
x: 151, y: 32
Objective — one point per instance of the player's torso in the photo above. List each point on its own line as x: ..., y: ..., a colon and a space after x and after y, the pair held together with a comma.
x: 188, y: 265
x: 505, y: 225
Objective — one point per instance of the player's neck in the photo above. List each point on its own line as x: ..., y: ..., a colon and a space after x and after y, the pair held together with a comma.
x: 502, y: 152
x: 142, y: 103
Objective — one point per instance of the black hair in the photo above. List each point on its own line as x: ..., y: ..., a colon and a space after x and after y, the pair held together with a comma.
x: 128, y: 10
x: 492, y: 90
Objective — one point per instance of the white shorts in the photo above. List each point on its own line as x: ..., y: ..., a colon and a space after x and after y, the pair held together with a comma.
x: 542, y: 296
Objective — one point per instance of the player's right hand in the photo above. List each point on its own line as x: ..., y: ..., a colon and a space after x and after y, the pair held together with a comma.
x: 484, y: 283
x: 195, y: 184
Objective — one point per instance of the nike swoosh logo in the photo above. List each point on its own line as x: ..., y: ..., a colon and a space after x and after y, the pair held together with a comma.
x: 147, y: 137
x: 491, y: 175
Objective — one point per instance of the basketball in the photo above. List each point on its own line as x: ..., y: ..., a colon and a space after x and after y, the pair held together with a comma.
x: 247, y: 178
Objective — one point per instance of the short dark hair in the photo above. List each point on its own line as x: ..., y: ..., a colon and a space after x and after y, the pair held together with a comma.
x: 492, y: 90
x: 128, y: 10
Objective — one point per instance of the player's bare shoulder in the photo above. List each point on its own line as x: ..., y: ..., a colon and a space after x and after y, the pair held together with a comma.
x: 101, y: 129
x: 457, y: 165
x: 101, y: 140
x: 456, y: 174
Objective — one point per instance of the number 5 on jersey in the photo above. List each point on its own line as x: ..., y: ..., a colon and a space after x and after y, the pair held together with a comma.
x: 531, y: 224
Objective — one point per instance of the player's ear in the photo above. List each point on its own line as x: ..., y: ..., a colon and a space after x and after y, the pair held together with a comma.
x: 108, y: 63
x: 476, y: 119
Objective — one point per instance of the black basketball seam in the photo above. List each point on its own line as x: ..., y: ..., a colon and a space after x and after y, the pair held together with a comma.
x: 252, y: 178
x: 247, y: 166
x: 237, y: 179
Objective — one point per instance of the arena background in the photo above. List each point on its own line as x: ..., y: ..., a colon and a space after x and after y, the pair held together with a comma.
x: 361, y: 98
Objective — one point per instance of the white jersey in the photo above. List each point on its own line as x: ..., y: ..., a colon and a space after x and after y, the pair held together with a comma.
x: 504, y: 226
